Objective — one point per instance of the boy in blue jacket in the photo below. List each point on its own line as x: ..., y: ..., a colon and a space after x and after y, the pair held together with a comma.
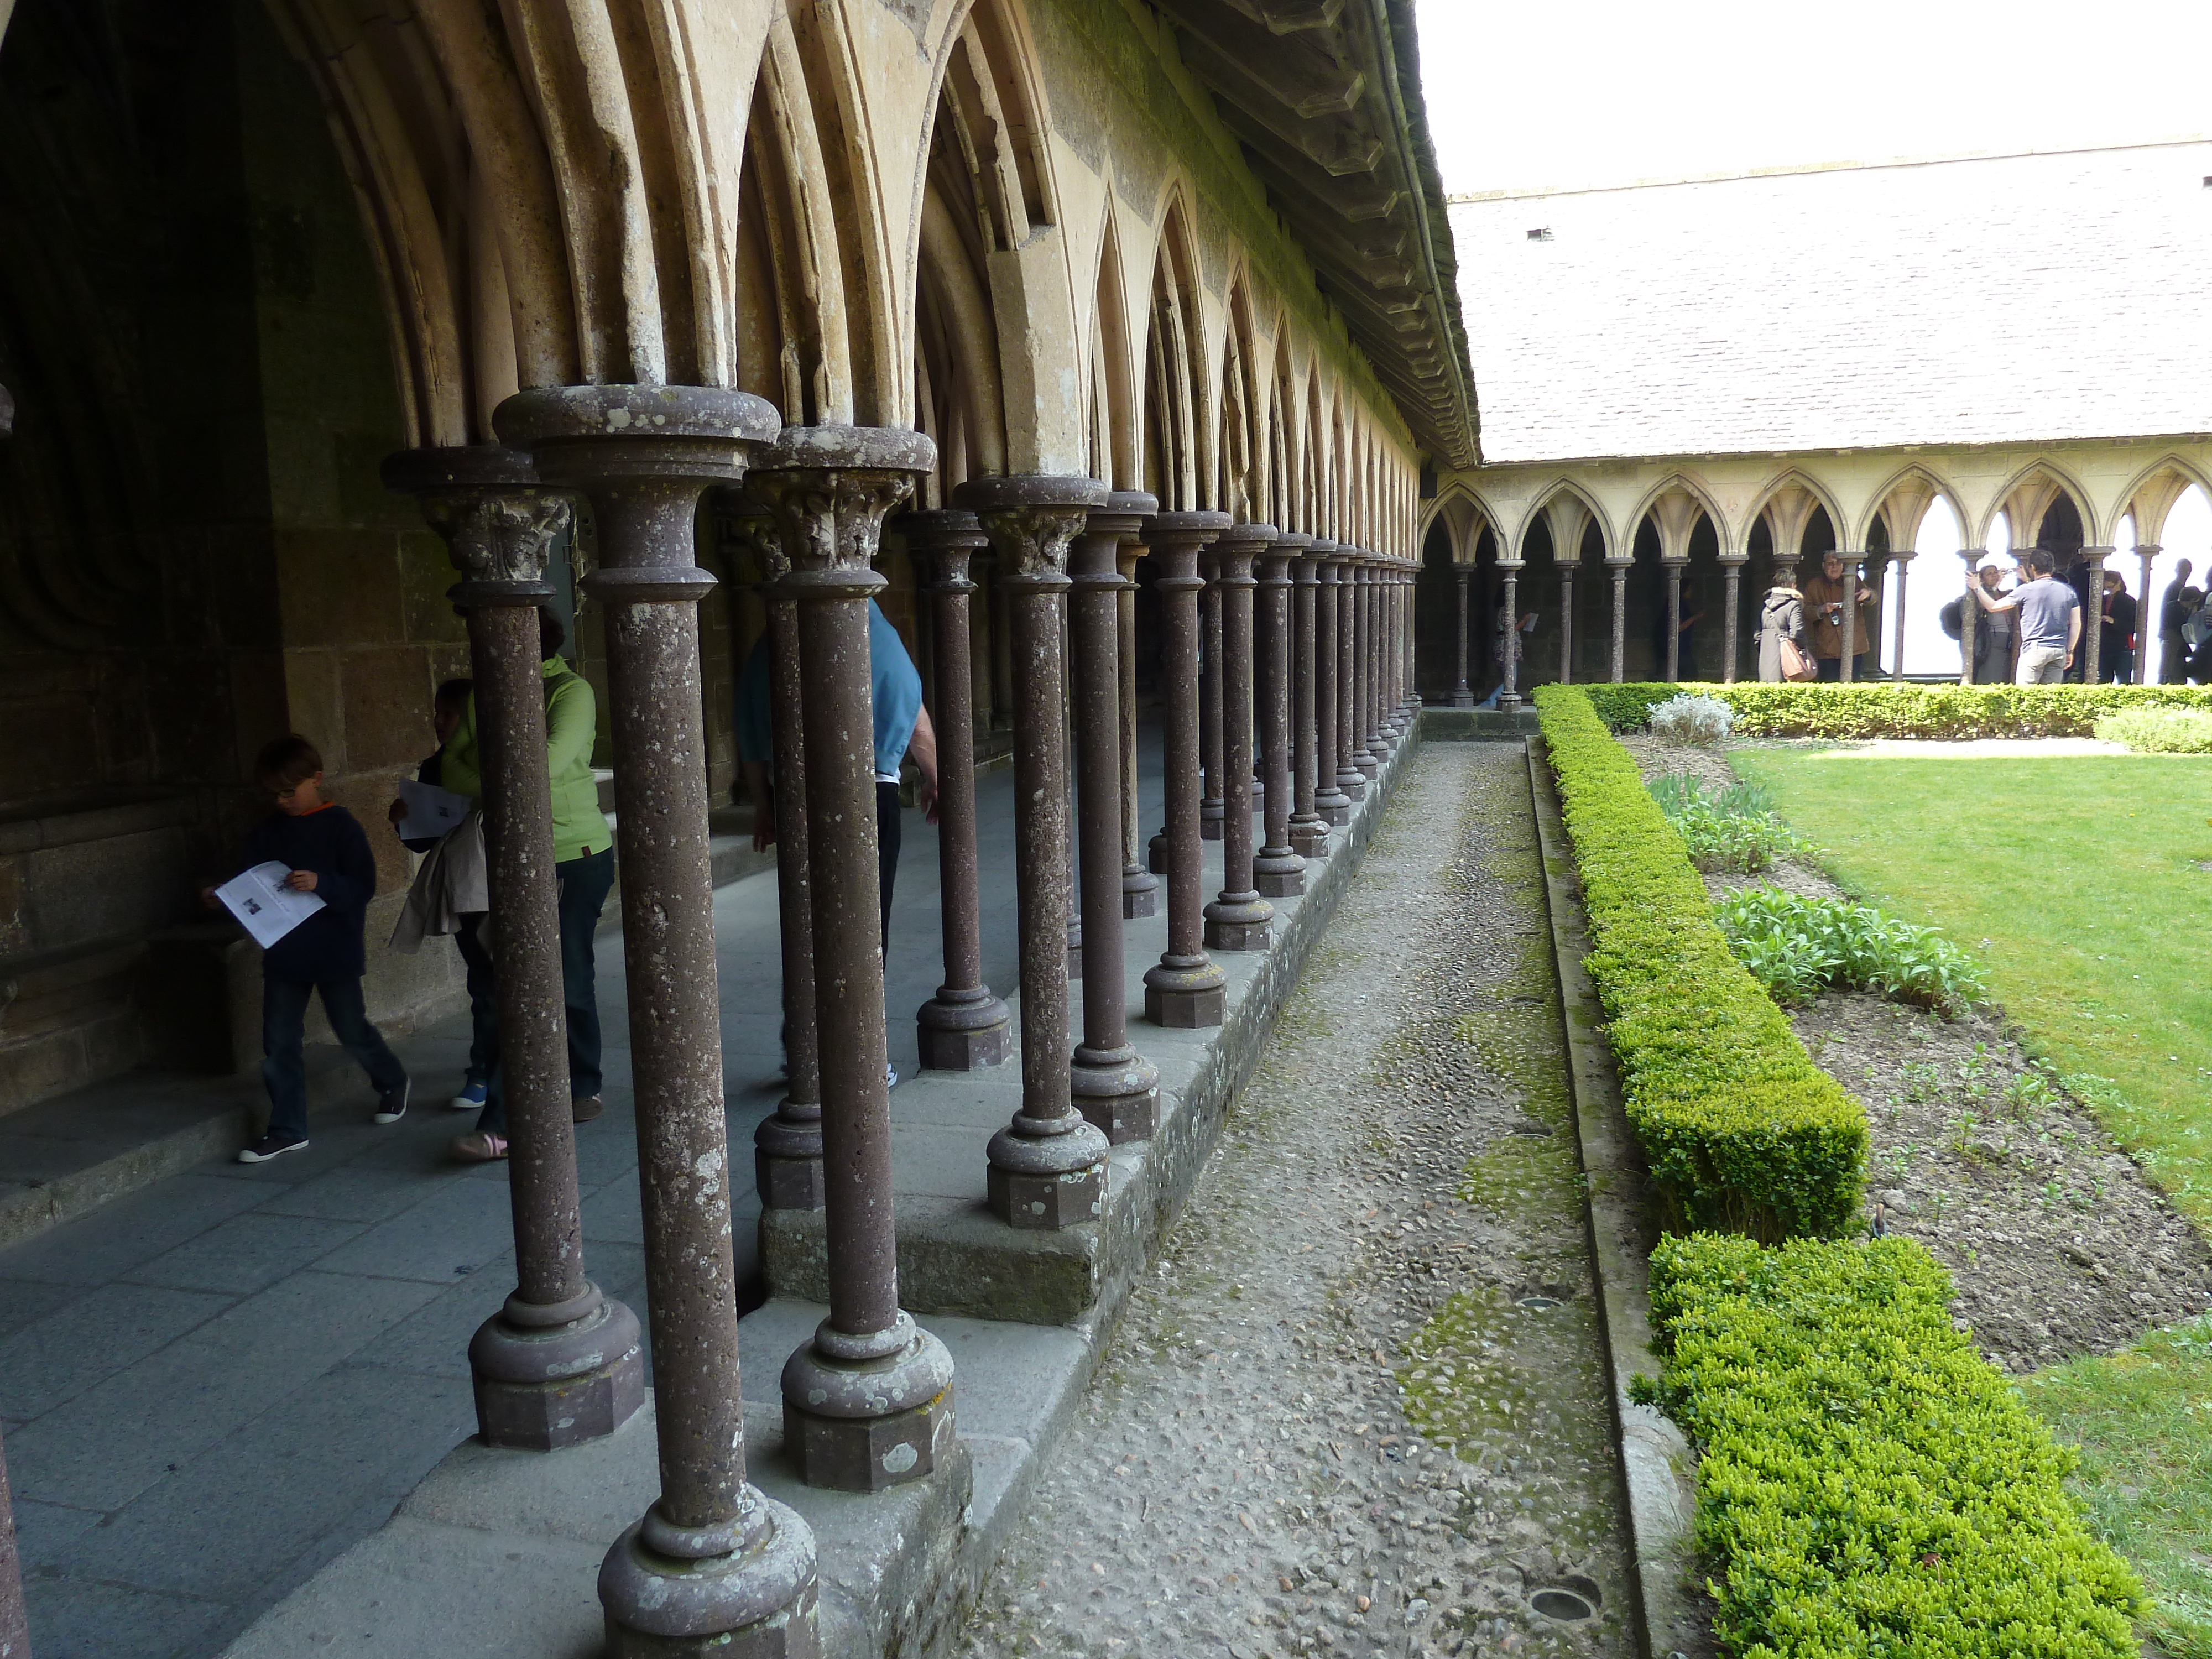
x: 324, y: 847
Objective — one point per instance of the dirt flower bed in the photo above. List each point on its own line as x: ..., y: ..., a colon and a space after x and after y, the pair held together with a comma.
x: 2057, y: 1244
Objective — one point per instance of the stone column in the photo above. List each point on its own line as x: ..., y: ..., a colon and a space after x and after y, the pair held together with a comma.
x: 1672, y: 569
x: 787, y: 1145
x: 1618, y: 568
x: 714, y: 1567
x: 1278, y: 870
x: 867, y: 1402
x: 1351, y: 781
x: 1141, y: 888
x: 1183, y: 990
x: 15, y: 1626
x: 2148, y: 615
x: 1970, y: 613
x: 1212, y: 808
x: 1115, y: 1088
x: 1331, y: 804
x: 1463, y: 693
x: 1903, y: 560
x: 1238, y: 919
x: 1508, y: 698
x: 1567, y: 623
x: 1366, y: 754
x: 1048, y: 1167
x: 1395, y: 679
x: 2092, y: 623
x: 965, y: 1025
x: 560, y: 1363
x: 1309, y: 828
x: 1409, y: 666
x: 1853, y: 565
x: 1732, y: 598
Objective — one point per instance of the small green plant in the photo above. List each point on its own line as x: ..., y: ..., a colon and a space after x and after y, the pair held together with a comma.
x: 1730, y: 829
x: 1691, y: 719
x: 2159, y: 731
x: 1794, y: 946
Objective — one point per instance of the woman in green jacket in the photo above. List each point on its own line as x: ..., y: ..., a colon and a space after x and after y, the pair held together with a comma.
x: 583, y: 866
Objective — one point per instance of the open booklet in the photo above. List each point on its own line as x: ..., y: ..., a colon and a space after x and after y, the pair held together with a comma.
x: 263, y: 905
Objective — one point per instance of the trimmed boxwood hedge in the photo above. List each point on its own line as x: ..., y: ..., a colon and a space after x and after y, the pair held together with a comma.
x: 1742, y: 1131
x: 1763, y: 710
x: 1869, y: 1485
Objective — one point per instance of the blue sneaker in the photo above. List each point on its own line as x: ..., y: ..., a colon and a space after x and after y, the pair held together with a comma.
x: 471, y: 1099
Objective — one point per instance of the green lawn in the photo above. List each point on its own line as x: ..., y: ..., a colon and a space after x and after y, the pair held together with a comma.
x: 2076, y: 879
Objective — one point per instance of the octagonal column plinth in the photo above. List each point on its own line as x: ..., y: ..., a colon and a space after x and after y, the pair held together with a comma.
x: 1508, y: 697
x: 1350, y: 782
x: 1140, y: 887
x: 1278, y: 870
x: 1115, y: 1088
x: 1618, y: 569
x: 1211, y: 809
x: 1048, y: 1167
x: 560, y: 1363
x: 1732, y: 589
x: 1184, y: 988
x: 1331, y: 804
x: 714, y: 1567
x: 1238, y: 919
x: 788, y: 1144
x: 965, y: 1025
x: 1309, y: 828
x: 867, y: 1403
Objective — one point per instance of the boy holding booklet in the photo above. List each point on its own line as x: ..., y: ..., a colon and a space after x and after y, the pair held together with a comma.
x: 323, y: 846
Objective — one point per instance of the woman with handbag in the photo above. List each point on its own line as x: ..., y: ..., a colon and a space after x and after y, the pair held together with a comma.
x: 1782, y: 654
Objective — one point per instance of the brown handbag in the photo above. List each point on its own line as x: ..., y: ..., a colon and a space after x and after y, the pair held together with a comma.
x: 1795, y: 665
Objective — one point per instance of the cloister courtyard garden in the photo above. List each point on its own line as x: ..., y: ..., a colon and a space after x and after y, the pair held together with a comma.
x: 1907, y: 991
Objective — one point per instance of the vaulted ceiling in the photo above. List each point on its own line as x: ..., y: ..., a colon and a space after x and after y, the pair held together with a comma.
x: 1325, y: 97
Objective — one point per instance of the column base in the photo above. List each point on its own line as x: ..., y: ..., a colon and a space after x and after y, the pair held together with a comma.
x: 1185, y: 994
x: 1242, y: 921
x: 1310, y: 836
x: 1118, y: 1092
x: 1462, y: 700
x: 1141, y: 893
x: 1334, y: 807
x: 1211, y: 816
x: 669, y: 1595
x: 787, y: 1157
x: 859, y: 1421
x: 549, y: 1377
x: 963, y: 1031
x: 1157, y: 854
x: 1369, y: 766
x: 1278, y: 873
x: 1048, y: 1182
x: 1508, y: 702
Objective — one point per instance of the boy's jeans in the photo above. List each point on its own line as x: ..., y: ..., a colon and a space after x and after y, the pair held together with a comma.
x: 283, y: 1032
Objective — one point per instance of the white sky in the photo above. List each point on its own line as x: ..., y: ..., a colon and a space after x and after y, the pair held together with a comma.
x: 1583, y: 92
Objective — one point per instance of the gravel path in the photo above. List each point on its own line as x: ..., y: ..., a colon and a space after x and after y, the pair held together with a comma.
x: 1358, y: 1407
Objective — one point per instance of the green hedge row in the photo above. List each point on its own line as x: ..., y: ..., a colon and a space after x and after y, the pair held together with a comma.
x: 1869, y: 1485
x: 1901, y: 711
x: 1742, y: 1131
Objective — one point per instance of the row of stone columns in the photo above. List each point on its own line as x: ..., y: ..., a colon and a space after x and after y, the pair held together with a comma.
x: 1321, y: 671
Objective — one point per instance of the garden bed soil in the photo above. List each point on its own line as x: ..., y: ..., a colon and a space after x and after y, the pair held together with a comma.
x: 2057, y: 1245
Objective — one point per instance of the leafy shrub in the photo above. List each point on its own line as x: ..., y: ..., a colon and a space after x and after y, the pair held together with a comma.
x: 1793, y: 946
x: 1724, y: 830
x: 1763, y: 710
x: 1869, y: 1485
x: 1704, y: 721
x: 1742, y: 1131
x: 2159, y: 731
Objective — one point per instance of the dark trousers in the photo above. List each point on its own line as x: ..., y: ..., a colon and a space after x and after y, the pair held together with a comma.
x: 887, y: 850
x: 2115, y: 667
x: 584, y: 886
x: 483, y: 1000
x: 283, y: 1040
x: 1832, y: 668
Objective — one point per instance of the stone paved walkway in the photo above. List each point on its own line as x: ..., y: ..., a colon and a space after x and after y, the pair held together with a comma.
x: 213, y: 1386
x: 1359, y: 1408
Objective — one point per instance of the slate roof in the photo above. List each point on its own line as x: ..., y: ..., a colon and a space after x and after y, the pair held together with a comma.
x: 2028, y: 298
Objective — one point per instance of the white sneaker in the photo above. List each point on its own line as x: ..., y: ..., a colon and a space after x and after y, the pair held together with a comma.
x: 890, y: 1075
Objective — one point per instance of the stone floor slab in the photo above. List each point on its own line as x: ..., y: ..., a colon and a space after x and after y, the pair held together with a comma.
x: 58, y: 1357
x: 246, y: 1254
